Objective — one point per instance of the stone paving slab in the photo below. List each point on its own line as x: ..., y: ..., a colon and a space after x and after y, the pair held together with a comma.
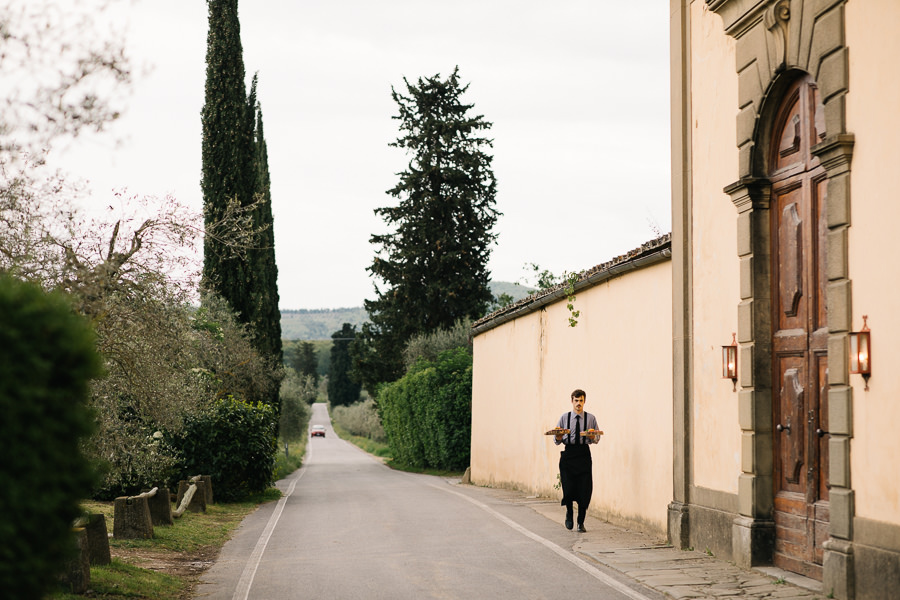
x: 680, y: 574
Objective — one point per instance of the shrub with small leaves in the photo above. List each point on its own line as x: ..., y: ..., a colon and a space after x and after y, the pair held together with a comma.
x: 427, y: 414
x: 47, y: 358
x: 233, y: 442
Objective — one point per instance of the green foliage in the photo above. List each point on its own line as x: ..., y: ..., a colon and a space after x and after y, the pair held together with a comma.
x: 343, y: 390
x: 427, y: 414
x: 433, y: 263
x: 286, y: 462
x: 360, y: 419
x: 321, y: 348
x: 428, y: 346
x: 305, y: 361
x: 47, y: 358
x: 545, y: 280
x: 297, y: 393
x: 233, y: 442
x: 227, y: 153
x: 266, y: 318
x: 570, y: 280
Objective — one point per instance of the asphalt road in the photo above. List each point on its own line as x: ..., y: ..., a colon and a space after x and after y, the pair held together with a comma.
x: 348, y: 527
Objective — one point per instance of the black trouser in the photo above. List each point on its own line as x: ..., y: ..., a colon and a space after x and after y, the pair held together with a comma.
x: 576, y: 478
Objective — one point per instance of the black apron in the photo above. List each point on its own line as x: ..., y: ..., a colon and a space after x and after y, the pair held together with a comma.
x: 575, y: 472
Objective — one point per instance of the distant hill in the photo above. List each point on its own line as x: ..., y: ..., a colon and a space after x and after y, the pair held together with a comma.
x: 515, y: 290
x: 319, y: 324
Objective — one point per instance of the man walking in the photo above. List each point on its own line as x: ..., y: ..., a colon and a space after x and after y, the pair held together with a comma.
x: 575, y: 460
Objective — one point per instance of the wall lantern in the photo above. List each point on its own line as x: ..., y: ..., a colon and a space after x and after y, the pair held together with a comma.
x: 861, y: 352
x: 729, y: 361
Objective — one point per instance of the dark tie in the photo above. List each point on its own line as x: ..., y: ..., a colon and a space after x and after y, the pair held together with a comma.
x: 577, y: 429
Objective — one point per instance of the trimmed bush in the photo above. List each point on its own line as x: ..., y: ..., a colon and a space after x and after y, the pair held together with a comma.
x: 234, y: 443
x: 427, y: 414
x: 47, y: 358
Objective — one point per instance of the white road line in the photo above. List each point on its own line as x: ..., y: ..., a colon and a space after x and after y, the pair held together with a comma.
x: 242, y: 591
x: 569, y: 556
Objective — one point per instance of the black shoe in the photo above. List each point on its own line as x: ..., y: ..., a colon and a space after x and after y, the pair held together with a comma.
x: 581, y: 528
x: 569, y: 523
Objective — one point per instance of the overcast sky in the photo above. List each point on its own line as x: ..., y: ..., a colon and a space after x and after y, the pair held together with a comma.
x: 577, y: 90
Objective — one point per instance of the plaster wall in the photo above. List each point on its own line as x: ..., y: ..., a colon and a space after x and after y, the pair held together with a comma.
x: 620, y: 354
x: 716, y: 433
x: 873, y: 117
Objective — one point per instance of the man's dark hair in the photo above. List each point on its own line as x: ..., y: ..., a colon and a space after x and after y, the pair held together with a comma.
x: 579, y: 394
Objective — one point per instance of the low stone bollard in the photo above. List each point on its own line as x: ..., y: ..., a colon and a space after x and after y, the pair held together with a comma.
x: 160, y: 505
x: 77, y: 575
x: 197, y: 503
x: 207, y: 480
x: 131, y: 519
x: 97, y: 539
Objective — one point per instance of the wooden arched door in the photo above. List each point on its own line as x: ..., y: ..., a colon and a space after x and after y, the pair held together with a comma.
x: 800, y: 333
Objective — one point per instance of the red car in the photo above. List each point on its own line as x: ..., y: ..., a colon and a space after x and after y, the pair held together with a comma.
x: 317, y: 430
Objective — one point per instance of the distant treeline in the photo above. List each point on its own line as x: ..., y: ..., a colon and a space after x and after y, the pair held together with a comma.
x: 319, y: 323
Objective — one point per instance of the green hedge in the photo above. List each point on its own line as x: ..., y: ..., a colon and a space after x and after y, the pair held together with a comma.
x: 47, y: 358
x: 427, y: 414
x: 233, y: 442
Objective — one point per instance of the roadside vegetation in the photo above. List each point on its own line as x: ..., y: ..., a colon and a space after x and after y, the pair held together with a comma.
x: 168, y: 566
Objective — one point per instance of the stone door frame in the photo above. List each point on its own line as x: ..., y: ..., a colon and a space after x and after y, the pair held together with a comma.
x: 773, y: 39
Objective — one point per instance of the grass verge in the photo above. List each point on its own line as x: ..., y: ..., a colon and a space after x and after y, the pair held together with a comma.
x: 371, y: 446
x: 289, y: 460
x: 384, y: 451
x: 169, y: 566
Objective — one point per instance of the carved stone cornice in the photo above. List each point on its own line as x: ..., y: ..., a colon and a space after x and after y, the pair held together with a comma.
x: 739, y: 16
x: 835, y: 153
x: 750, y: 193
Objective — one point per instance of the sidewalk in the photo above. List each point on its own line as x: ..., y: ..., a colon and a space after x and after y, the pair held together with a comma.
x: 680, y: 574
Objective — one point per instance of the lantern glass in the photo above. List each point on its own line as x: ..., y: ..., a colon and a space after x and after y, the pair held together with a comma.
x: 860, y: 357
x: 729, y: 362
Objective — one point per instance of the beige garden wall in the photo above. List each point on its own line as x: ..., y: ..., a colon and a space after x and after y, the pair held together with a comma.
x: 620, y: 354
x: 716, y: 433
x: 873, y: 117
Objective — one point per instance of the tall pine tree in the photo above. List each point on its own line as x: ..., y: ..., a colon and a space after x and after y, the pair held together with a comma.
x: 235, y: 170
x: 433, y: 264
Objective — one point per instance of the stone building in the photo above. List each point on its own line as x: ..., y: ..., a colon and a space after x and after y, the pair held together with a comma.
x: 785, y: 116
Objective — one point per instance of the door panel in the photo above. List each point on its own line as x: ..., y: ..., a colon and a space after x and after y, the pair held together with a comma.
x: 800, y: 335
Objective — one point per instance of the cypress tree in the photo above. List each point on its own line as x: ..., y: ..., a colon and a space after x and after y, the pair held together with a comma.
x: 434, y: 263
x: 236, y: 170
x: 228, y: 165
x: 343, y: 390
x: 306, y: 361
x: 266, y: 316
